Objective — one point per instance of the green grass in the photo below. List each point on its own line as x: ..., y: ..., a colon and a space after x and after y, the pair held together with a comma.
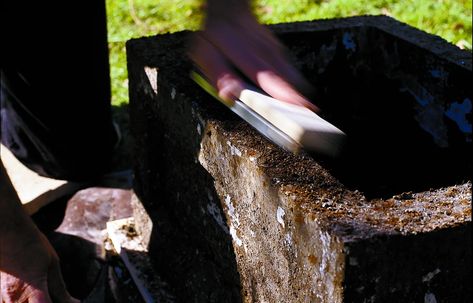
x: 449, y: 19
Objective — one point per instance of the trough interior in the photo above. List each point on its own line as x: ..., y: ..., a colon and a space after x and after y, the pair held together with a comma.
x: 387, y: 152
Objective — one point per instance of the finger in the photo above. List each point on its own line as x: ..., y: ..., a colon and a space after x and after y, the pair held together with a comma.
x: 229, y: 86
x: 266, y: 46
x: 14, y: 290
x: 270, y: 71
x: 277, y: 81
x: 29, y: 296
x: 266, y: 76
x: 215, y: 67
x: 280, y: 89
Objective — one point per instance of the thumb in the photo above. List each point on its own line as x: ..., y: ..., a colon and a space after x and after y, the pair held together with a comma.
x: 13, y: 290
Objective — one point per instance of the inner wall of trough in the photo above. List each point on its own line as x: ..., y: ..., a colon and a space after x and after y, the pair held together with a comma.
x: 360, y: 85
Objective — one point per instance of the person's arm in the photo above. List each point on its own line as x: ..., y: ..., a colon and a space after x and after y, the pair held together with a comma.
x: 226, y: 8
x: 29, y: 267
x: 233, y: 39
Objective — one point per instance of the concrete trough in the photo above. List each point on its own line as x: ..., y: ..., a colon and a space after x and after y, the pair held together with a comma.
x: 230, y: 217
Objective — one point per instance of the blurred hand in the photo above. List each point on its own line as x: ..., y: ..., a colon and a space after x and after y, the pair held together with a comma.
x: 241, y: 42
x: 31, y: 272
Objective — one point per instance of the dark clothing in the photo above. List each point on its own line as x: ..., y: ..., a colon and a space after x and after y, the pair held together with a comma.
x: 55, y: 87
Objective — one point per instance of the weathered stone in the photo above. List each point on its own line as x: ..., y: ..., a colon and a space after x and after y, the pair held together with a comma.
x: 230, y: 217
x: 89, y: 210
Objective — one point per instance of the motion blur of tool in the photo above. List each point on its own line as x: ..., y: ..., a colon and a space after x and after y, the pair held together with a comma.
x: 289, y: 126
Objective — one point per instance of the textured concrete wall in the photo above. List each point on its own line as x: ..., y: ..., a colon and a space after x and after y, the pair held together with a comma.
x: 230, y: 217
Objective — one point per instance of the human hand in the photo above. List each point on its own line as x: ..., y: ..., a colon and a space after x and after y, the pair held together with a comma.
x: 237, y: 40
x: 30, y: 271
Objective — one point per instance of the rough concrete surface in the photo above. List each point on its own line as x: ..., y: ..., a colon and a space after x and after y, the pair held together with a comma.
x: 230, y: 217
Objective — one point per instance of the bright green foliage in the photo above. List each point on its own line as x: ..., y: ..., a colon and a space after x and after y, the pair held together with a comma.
x: 449, y: 19
x: 135, y: 18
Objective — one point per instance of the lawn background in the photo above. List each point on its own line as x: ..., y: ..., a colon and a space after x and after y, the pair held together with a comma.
x: 449, y: 19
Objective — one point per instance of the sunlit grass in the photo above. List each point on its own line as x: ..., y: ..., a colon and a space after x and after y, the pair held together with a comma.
x: 449, y: 19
